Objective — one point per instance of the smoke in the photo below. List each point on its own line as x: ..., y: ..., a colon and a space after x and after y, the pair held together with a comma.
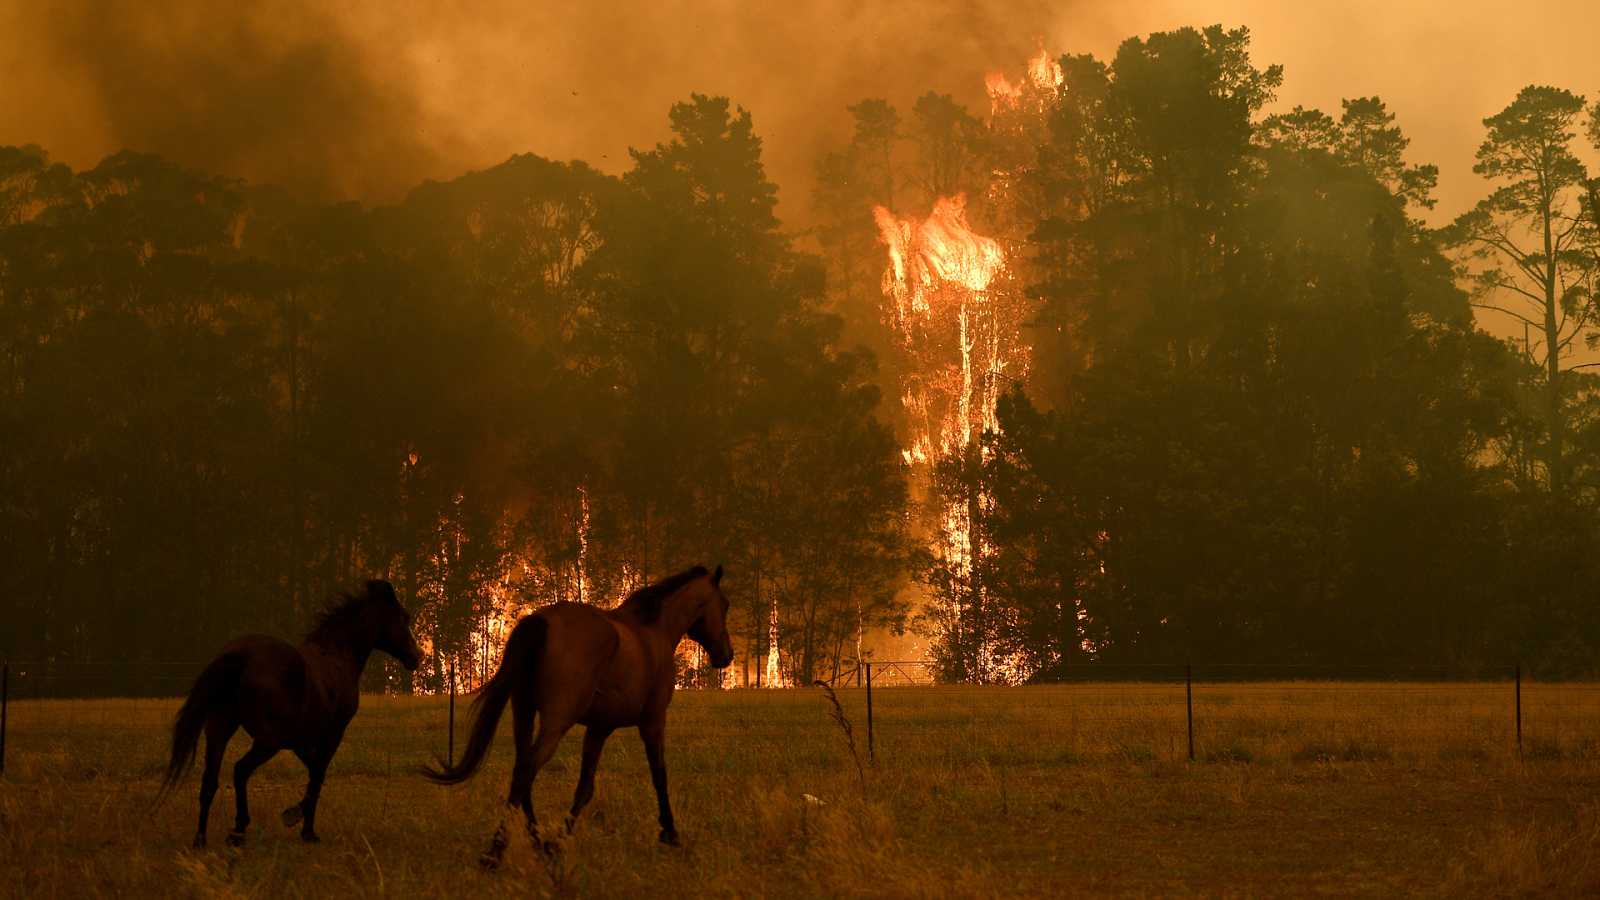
x: 279, y: 93
x: 365, y: 99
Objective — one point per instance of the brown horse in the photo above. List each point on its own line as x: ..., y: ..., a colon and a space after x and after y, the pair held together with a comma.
x: 287, y: 698
x: 606, y: 669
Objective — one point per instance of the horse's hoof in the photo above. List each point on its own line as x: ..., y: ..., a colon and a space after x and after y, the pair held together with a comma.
x: 489, y: 861
x: 292, y: 816
x: 310, y: 837
x: 199, y: 842
x: 551, y: 848
x: 670, y: 838
x: 235, y: 839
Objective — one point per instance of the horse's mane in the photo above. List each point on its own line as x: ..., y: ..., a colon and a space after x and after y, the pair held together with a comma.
x: 645, y: 603
x: 341, y: 611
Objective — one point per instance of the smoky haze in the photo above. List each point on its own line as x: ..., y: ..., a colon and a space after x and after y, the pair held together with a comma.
x: 280, y: 93
x: 363, y: 101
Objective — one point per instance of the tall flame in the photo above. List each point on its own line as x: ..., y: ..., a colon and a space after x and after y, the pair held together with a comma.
x: 959, y: 316
x: 774, y: 672
x: 1043, y: 78
x: 960, y: 328
x: 961, y: 333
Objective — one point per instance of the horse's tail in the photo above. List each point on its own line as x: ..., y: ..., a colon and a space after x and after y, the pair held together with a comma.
x: 215, y: 686
x: 524, y: 649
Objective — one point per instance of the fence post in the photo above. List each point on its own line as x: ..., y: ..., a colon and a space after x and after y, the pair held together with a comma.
x: 450, y: 758
x: 872, y: 756
x: 1518, y: 696
x: 5, y: 691
x: 1188, y: 703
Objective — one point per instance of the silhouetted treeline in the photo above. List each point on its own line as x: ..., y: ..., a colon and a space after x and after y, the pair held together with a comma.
x: 533, y: 383
x: 1261, y: 425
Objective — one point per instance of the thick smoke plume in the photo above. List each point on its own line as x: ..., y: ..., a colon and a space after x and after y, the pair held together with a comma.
x: 364, y: 99
x: 280, y: 92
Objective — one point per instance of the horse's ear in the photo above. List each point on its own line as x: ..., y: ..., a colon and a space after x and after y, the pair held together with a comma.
x: 381, y: 589
x: 716, y: 577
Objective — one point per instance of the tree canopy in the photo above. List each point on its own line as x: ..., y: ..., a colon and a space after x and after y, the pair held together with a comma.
x: 1213, y: 389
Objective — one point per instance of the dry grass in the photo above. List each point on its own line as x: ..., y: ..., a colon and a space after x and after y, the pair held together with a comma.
x: 1341, y: 789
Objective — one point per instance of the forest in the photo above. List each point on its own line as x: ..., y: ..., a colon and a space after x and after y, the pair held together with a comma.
x: 1130, y: 366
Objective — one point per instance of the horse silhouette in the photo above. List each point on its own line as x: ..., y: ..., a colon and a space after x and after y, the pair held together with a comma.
x: 605, y: 669
x: 287, y: 698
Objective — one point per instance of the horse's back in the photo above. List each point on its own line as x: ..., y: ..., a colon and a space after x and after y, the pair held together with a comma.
x: 266, y: 657
x: 272, y: 684
x: 581, y: 653
x: 577, y: 630
x: 599, y: 658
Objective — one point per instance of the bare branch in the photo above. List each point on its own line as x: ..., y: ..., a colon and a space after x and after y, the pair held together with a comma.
x: 1518, y: 316
x: 1508, y: 285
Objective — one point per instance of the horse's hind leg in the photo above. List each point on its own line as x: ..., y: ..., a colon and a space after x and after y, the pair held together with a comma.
x: 218, y: 732
x: 522, y: 718
x: 594, y: 740
x: 530, y: 759
x: 253, y: 759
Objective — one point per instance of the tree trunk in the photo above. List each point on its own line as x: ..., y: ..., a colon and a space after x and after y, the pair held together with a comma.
x: 1552, y: 336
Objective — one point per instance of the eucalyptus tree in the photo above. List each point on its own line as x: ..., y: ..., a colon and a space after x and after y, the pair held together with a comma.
x: 1530, y: 250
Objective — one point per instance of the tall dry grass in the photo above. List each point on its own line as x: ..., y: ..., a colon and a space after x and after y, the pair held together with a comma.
x: 1348, y: 789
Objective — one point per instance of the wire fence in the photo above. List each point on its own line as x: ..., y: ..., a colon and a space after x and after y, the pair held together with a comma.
x: 1200, y: 712
x: 1481, y: 705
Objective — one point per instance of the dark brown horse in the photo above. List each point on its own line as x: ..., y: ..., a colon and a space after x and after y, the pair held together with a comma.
x: 287, y: 698
x: 606, y: 669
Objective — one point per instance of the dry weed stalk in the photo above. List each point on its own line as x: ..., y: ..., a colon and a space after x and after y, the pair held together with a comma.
x: 849, y: 732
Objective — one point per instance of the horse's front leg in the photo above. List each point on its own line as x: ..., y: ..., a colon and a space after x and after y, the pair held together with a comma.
x: 304, y: 813
x: 655, y: 739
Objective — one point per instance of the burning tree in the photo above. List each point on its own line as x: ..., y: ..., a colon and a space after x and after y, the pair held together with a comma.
x: 957, y: 312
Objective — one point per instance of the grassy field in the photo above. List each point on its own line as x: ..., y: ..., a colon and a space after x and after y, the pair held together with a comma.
x: 1299, y: 789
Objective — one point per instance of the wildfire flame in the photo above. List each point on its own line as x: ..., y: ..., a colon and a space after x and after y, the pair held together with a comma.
x: 963, y: 335
x: 1043, y: 77
x: 959, y: 317
x: 774, y: 672
x: 960, y: 329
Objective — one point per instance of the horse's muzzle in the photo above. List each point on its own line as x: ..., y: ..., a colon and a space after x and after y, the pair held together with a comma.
x: 722, y: 658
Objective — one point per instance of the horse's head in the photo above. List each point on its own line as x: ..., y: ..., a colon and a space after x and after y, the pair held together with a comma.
x: 391, y: 625
x: 710, y: 628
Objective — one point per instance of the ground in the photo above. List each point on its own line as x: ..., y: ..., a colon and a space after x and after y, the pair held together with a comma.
x: 1297, y: 789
